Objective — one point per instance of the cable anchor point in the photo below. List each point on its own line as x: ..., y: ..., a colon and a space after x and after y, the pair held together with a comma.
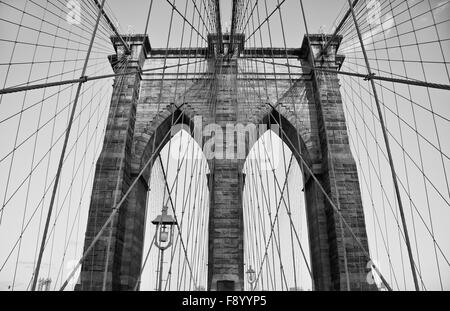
x: 369, y: 77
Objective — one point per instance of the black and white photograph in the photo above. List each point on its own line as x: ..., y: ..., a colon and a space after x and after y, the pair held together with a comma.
x: 224, y: 151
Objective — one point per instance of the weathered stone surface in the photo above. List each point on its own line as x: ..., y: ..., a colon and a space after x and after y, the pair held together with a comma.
x: 312, y: 123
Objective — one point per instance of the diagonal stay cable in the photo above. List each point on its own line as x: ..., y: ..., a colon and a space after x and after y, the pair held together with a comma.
x: 115, y: 211
x: 85, y: 79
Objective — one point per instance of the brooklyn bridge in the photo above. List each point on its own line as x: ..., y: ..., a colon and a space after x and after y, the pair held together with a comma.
x: 207, y: 145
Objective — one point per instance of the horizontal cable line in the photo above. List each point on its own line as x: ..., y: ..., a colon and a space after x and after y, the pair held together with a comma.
x: 411, y: 101
x: 61, y: 74
x: 340, y: 70
x: 86, y: 79
x: 367, y: 77
x: 404, y: 60
x: 40, y: 128
x: 48, y: 62
x: 399, y: 46
x: 36, y: 103
x: 363, y: 68
x: 390, y: 79
x: 53, y: 47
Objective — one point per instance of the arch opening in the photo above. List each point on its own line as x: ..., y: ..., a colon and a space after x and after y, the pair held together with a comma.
x: 275, y: 222
x: 178, y: 180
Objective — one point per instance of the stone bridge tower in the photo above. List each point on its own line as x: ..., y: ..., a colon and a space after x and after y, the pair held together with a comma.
x: 312, y: 122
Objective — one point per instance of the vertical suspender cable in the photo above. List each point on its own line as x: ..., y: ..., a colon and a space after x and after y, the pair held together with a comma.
x: 63, y: 152
x: 388, y: 149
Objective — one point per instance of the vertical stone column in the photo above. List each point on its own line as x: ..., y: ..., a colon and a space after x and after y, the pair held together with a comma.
x: 113, y: 173
x: 330, y: 241
x: 226, y: 254
x: 226, y: 251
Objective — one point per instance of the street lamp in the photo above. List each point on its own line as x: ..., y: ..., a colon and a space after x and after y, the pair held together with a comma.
x: 251, y: 276
x: 163, y: 237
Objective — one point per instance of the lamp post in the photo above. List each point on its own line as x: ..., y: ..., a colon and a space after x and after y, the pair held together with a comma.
x: 251, y: 276
x: 163, y: 237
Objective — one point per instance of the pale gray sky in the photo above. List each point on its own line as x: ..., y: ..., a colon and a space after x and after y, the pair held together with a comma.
x: 73, y: 205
